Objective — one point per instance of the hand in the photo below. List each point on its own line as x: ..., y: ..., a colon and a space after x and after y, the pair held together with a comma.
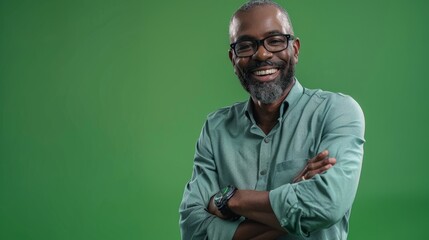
x: 319, y: 164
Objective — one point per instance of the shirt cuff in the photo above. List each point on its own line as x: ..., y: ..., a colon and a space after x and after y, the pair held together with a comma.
x: 284, y: 203
x: 223, y: 229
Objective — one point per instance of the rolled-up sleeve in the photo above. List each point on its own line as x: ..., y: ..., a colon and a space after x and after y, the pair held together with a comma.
x: 322, y: 201
x: 195, y: 221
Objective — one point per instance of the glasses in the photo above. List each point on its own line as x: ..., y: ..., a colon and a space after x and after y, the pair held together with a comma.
x: 274, y: 43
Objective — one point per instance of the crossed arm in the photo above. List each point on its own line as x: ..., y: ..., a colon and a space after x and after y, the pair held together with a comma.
x: 302, y: 208
x: 261, y: 222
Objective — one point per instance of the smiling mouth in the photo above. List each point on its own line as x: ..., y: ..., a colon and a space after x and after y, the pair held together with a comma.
x: 265, y: 72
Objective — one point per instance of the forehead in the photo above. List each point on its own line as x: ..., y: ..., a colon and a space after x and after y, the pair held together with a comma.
x: 258, y: 22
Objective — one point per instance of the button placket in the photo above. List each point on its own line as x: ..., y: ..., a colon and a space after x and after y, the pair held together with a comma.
x: 264, y: 158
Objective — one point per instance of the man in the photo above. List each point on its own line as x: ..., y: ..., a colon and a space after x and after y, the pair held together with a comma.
x: 251, y: 178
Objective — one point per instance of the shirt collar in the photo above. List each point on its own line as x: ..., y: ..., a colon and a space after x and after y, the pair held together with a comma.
x: 294, y: 95
x: 291, y: 99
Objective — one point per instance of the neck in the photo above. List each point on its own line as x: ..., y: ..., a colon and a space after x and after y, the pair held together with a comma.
x: 266, y: 114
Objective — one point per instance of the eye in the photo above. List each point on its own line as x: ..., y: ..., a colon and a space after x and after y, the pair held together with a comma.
x: 276, y: 41
x: 244, y: 46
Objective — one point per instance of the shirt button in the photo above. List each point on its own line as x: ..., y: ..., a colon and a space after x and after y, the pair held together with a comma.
x: 267, y: 140
x: 263, y: 172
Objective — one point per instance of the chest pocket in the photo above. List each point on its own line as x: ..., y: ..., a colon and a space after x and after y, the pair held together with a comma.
x: 287, y: 170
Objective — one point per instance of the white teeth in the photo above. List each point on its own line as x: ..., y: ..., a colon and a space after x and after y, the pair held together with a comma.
x: 265, y: 72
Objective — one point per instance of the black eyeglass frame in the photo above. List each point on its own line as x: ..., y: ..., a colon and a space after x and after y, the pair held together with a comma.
x: 261, y: 42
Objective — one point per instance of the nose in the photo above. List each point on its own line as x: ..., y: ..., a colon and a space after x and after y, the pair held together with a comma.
x: 262, y: 53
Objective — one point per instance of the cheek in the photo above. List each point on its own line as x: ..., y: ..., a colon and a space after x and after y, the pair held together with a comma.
x: 295, y: 59
x: 286, y: 56
x: 238, y: 71
x: 241, y: 62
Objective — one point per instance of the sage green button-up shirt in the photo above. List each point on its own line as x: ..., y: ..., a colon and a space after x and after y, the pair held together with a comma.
x: 232, y: 149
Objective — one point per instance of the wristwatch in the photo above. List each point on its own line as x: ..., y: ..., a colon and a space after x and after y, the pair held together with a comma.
x: 221, y: 201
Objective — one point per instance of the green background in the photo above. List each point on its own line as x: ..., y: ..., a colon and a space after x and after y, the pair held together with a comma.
x: 101, y: 103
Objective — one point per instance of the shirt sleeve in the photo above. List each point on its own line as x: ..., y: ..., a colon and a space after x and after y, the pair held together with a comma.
x: 195, y: 221
x: 323, y: 200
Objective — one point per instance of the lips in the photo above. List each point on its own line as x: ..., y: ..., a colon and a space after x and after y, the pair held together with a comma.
x: 265, y: 75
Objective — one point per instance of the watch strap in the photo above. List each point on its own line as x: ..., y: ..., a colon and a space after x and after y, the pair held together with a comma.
x: 221, y: 201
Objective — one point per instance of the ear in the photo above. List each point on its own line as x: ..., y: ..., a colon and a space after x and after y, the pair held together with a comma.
x: 296, y: 45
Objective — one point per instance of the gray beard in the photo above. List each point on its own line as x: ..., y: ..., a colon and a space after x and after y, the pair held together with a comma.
x: 268, y: 92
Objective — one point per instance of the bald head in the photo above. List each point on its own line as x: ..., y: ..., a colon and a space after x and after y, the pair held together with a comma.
x: 249, y: 6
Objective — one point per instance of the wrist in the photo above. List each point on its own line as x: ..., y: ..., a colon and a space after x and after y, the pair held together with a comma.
x: 234, y: 201
x: 221, y: 201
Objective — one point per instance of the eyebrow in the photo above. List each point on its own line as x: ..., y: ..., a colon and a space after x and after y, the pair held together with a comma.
x: 248, y: 37
x: 274, y: 33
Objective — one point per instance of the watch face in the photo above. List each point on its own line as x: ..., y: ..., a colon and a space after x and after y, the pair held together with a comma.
x: 224, y: 190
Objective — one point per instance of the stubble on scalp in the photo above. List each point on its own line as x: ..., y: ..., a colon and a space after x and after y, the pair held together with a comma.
x: 258, y: 3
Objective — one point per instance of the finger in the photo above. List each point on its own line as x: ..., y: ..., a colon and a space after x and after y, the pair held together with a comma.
x: 297, y: 179
x: 300, y: 176
x: 331, y: 161
x: 320, y: 170
x: 322, y: 155
x: 313, y: 164
x: 319, y: 164
x: 324, y: 162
